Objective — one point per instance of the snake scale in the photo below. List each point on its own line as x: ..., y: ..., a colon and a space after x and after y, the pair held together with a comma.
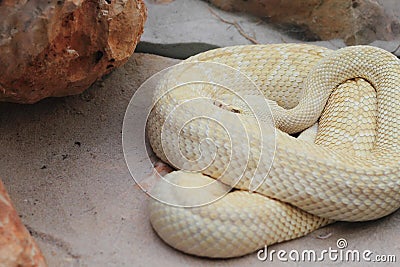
x: 348, y: 172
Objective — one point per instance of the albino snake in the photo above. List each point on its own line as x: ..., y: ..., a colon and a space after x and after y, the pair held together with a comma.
x: 350, y: 173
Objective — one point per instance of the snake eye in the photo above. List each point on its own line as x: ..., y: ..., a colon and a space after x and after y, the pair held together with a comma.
x: 226, y: 106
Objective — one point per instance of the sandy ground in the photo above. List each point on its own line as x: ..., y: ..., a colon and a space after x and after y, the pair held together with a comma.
x: 64, y: 168
x: 63, y: 165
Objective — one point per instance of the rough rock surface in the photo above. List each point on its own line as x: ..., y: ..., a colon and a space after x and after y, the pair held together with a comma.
x: 181, y: 28
x: 355, y: 21
x: 60, y: 47
x: 17, y: 247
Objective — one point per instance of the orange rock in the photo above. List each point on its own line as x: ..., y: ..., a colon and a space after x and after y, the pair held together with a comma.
x: 355, y: 21
x: 17, y: 247
x: 59, y: 48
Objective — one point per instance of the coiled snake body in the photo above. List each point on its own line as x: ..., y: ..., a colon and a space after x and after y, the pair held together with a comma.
x: 350, y: 173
